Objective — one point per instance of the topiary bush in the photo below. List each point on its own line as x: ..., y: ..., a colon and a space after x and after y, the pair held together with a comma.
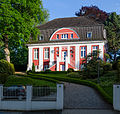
x: 70, y: 70
x: 47, y: 71
x: 6, y: 67
x: 3, y: 77
x: 74, y: 75
x: 33, y: 68
x: 107, y: 67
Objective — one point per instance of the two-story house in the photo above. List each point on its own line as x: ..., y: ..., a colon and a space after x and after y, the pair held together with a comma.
x: 65, y: 42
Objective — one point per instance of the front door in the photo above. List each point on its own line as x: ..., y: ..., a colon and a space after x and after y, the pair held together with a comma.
x: 62, y: 67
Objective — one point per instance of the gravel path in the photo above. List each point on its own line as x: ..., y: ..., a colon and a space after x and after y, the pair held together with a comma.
x: 83, y: 97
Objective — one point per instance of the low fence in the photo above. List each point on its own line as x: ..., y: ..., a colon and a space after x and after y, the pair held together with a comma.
x: 31, y: 98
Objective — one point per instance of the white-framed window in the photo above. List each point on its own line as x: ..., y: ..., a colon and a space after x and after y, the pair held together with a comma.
x: 35, y: 54
x: 46, y: 67
x: 71, y: 36
x: 57, y: 36
x: 64, y: 36
x: 89, y: 34
x: 83, y: 52
x: 40, y: 37
x: 46, y: 53
x: 94, y: 49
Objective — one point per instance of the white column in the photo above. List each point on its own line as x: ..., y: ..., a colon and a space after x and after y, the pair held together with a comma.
x: 66, y: 63
x: 57, y: 63
x: 88, y: 49
x: 69, y: 54
x: 51, y: 57
x: 101, y: 51
x: 60, y: 96
x: 29, y: 58
x: 60, y: 49
x: 28, y: 97
x: 41, y: 58
x: 77, y: 57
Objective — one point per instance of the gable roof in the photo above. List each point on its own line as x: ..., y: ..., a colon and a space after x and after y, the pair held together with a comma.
x: 69, y: 22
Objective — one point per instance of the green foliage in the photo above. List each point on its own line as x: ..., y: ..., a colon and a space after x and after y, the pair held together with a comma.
x: 33, y: 68
x: 6, y: 67
x: 13, y: 80
x: 107, y: 67
x: 118, y: 69
x: 112, y: 26
x: 18, y: 21
x: 3, y: 77
x: 74, y: 75
x: 107, y: 56
x: 47, y: 71
x: 70, y: 70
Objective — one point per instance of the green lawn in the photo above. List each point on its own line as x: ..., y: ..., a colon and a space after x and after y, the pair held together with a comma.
x: 15, y: 80
x: 106, y: 81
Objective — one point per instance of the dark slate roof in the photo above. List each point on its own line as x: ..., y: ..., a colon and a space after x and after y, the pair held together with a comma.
x: 81, y: 25
x: 69, y: 22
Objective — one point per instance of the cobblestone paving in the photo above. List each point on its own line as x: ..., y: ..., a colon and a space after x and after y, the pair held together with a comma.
x: 83, y: 97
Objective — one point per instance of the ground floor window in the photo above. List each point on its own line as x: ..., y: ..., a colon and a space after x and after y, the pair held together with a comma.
x: 37, y: 67
x: 46, y: 67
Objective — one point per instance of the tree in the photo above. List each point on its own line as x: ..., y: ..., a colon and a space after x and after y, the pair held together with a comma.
x: 112, y: 26
x: 18, y: 21
x: 92, y: 12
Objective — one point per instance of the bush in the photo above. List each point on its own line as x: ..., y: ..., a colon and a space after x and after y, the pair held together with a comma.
x: 70, y: 70
x: 47, y: 70
x: 74, y: 75
x: 107, y: 67
x: 29, y: 71
x: 3, y: 77
x: 6, y: 67
x: 118, y: 69
x: 114, y: 65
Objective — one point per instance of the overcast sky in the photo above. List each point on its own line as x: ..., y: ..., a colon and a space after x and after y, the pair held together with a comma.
x: 67, y: 8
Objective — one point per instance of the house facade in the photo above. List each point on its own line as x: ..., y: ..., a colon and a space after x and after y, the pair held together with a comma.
x: 65, y: 42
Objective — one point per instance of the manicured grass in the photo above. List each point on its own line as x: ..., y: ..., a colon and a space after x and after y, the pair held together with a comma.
x: 15, y: 80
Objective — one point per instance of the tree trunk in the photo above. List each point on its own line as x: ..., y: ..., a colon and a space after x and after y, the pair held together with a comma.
x: 6, y: 49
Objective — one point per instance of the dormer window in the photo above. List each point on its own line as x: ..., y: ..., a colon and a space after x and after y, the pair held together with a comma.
x: 64, y: 36
x: 89, y: 34
x: 57, y: 36
x: 40, y: 37
x: 71, y: 36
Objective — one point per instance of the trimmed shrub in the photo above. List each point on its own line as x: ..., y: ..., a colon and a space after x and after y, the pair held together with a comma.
x: 70, y: 70
x: 3, y: 77
x: 107, y: 67
x: 6, y: 67
x: 74, y: 75
x: 47, y: 70
x: 33, y: 68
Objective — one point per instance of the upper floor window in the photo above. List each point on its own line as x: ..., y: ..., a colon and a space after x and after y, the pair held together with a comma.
x: 71, y: 36
x: 83, y: 52
x: 94, y: 50
x: 40, y: 37
x: 89, y: 34
x: 57, y: 36
x: 35, y: 54
x: 46, y: 53
x: 64, y: 36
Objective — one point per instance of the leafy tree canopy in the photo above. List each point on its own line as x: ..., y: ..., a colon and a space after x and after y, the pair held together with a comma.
x: 18, y: 21
x: 92, y: 12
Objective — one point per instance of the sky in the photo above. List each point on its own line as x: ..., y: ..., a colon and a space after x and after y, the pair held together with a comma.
x: 67, y: 8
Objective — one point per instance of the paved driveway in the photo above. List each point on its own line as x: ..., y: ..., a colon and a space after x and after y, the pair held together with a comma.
x: 83, y: 97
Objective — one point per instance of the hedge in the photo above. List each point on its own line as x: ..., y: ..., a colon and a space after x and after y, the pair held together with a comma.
x: 83, y: 82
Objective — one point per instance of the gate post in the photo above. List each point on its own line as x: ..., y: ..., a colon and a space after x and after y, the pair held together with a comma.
x: 1, y: 95
x: 28, y: 97
x: 116, y: 97
x: 60, y: 96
